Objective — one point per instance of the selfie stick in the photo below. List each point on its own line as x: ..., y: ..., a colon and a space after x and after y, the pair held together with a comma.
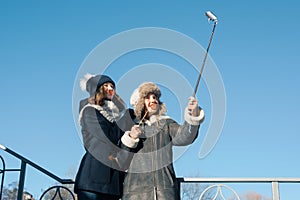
x: 211, y: 17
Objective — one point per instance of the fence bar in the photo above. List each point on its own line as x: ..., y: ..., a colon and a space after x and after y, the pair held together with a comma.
x: 21, y: 180
x: 275, y: 190
x: 63, y: 181
x: 2, y: 173
x: 241, y: 180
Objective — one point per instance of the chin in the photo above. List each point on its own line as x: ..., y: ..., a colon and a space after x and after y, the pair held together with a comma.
x: 108, y: 97
x: 152, y: 111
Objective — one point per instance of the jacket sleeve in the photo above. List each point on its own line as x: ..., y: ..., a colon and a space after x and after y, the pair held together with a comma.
x: 126, y: 121
x: 187, y: 133
x: 124, y: 157
x: 127, y: 145
x: 95, y: 132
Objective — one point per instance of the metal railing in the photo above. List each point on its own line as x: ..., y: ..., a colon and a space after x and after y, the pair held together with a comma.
x: 2, y: 176
x: 22, y: 170
x: 218, y: 183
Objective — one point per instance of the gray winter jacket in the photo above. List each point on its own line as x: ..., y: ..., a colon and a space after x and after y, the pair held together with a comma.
x: 150, y: 170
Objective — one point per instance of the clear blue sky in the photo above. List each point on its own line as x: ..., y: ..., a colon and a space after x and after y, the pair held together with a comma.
x: 255, y: 48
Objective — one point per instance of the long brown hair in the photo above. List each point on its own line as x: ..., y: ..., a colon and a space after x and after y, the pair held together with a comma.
x: 98, y: 98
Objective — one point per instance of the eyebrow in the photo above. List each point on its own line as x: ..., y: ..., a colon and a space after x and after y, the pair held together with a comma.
x: 108, y: 83
x: 151, y: 93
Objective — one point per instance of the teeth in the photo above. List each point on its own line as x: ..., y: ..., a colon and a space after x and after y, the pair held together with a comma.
x: 153, y: 105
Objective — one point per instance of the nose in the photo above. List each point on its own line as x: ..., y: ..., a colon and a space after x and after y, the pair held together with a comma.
x: 110, y: 89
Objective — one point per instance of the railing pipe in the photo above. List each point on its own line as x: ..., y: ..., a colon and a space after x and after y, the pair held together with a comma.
x: 275, y: 190
x: 274, y: 181
x: 21, y: 180
x: 2, y: 171
x: 241, y: 180
x: 63, y: 181
x: 22, y: 170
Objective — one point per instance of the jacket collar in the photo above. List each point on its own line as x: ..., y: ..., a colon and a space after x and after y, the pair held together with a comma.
x: 155, y: 118
x: 109, y: 110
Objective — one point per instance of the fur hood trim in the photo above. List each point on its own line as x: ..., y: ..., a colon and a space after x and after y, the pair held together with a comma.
x: 138, y: 97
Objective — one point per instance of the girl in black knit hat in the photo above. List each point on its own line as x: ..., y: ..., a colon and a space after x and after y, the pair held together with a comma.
x: 97, y: 177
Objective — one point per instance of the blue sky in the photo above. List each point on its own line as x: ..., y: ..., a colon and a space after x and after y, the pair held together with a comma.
x: 255, y: 48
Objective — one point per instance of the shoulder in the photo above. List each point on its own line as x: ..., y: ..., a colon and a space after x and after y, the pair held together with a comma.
x: 89, y: 111
x: 131, y: 113
x: 166, y: 118
x: 83, y: 103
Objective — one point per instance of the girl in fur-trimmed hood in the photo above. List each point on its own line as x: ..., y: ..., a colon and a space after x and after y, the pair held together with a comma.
x: 150, y: 172
x: 138, y: 97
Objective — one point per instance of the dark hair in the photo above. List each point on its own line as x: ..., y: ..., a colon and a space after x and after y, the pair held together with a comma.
x: 98, y: 98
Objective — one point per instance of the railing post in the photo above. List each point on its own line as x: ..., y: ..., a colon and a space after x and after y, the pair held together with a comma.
x: 2, y: 173
x: 275, y: 190
x: 21, y: 181
x: 179, y: 181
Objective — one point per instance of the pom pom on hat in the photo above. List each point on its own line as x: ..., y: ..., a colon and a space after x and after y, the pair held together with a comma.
x: 84, y: 80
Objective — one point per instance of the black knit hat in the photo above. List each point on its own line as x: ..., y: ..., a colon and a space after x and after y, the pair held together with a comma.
x: 91, y: 83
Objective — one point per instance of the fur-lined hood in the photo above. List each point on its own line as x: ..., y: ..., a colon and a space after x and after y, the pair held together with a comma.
x: 138, y: 98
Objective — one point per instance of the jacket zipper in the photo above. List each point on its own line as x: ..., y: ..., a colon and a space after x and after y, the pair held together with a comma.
x: 155, y: 192
x: 154, y: 150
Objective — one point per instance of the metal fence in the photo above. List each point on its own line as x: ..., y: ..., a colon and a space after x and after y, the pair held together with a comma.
x: 24, y: 162
x: 218, y: 185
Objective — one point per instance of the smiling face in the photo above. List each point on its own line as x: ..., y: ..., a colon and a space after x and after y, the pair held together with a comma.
x: 151, y: 104
x: 109, y: 90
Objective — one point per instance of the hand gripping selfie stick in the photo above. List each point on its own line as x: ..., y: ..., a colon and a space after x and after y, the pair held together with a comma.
x: 211, y: 17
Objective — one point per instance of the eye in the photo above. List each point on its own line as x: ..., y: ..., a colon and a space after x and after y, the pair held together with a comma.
x: 112, y: 86
x: 109, y: 85
x: 151, y: 96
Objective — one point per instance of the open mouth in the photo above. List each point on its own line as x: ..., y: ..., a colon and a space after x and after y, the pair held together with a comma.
x: 110, y: 92
x: 153, y: 106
